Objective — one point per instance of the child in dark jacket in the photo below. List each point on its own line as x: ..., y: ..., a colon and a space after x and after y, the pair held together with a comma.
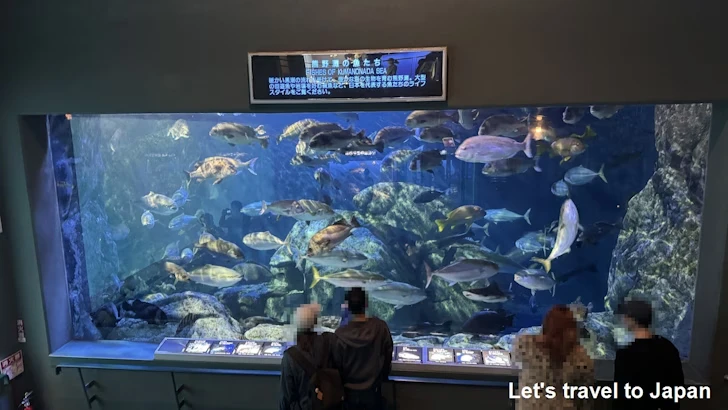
x: 295, y: 384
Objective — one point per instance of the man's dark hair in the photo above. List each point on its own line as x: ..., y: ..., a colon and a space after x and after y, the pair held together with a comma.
x: 356, y: 298
x: 637, y: 310
x: 236, y: 205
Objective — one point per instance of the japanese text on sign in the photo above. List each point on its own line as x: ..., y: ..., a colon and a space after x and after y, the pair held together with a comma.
x: 321, y: 85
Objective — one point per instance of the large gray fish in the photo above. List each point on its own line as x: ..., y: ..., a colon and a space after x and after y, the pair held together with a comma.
x: 221, y: 247
x: 263, y: 241
x: 252, y: 271
x: 604, y: 111
x: 535, y: 279
x: 486, y: 148
x: 510, y: 166
x: 159, y: 204
x: 504, y: 125
x: 427, y: 119
x: 334, y: 140
x: 181, y: 221
x: 566, y: 234
x: 239, y: 134
x: 435, y: 135
x: 308, y: 132
x: 572, y: 115
x: 294, y: 130
x: 464, y: 270
x: 337, y: 258
x: 219, y: 168
x: 465, y: 214
x: 428, y: 160
x: 302, y: 209
x: 314, y: 161
x: 180, y: 196
x: 328, y: 238
x: 580, y: 175
x: 392, y: 136
x: 398, y: 294
x: 216, y: 276
x: 349, y: 278
x: 396, y: 158
x: 536, y: 242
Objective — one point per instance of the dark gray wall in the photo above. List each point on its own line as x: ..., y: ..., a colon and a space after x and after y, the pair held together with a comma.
x: 190, y: 55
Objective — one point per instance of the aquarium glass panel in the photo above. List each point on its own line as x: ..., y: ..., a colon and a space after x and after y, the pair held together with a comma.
x: 464, y: 226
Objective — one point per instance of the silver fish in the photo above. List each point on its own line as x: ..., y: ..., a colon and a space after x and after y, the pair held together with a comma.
x: 604, y: 111
x: 239, y: 134
x: 338, y: 258
x: 465, y: 270
x: 159, y: 204
x: 426, y: 119
x: 580, y: 175
x: 180, y: 129
x: 349, y: 278
x: 181, y: 221
x: 180, y: 196
x: 504, y: 215
x: 490, y: 294
x: 466, y: 118
x: 535, y: 279
x: 216, y: 276
x: 572, y: 115
x: 535, y: 242
x: 220, y: 168
x: 510, y: 166
x: 560, y: 188
x: 302, y: 209
x: 392, y: 136
x: 255, y: 209
x: 186, y: 255
x: 398, y: 294
x: 148, y: 219
x: 504, y: 125
x: 263, y: 241
x: 486, y: 148
x: 566, y: 234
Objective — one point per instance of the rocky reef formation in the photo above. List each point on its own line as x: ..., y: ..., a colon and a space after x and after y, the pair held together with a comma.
x: 656, y: 255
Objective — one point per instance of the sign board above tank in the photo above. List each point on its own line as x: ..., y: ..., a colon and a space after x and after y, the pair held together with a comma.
x: 348, y: 76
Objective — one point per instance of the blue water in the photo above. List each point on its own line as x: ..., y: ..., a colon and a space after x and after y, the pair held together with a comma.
x: 119, y: 159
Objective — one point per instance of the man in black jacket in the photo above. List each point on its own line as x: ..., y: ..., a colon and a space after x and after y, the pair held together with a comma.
x: 645, y: 359
x: 363, y: 355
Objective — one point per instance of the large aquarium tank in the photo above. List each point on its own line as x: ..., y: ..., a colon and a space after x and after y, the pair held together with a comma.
x: 464, y: 226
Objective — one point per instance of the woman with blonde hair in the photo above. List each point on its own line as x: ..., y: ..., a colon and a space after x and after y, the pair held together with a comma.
x: 553, y: 358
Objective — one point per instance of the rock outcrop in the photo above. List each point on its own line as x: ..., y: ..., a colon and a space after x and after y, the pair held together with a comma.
x: 656, y: 255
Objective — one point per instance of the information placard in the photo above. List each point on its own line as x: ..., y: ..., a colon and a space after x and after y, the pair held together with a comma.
x: 409, y: 354
x: 222, y: 347
x: 273, y: 349
x: 248, y: 348
x: 497, y: 358
x: 468, y: 356
x: 440, y: 355
x: 197, y: 346
x: 348, y: 76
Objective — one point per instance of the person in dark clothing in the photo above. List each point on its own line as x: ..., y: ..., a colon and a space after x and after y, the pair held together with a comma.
x: 233, y: 220
x: 645, y: 359
x: 363, y: 355
x: 295, y: 384
x: 208, y: 224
